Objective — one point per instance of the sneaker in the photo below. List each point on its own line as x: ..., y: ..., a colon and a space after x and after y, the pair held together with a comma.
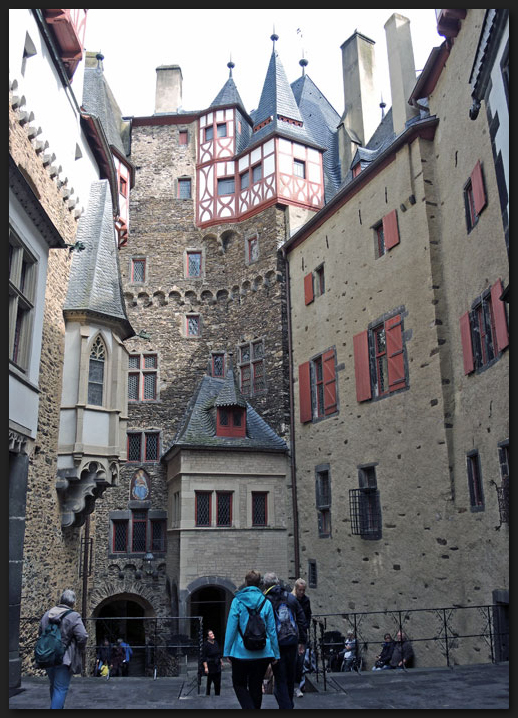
x: 298, y: 693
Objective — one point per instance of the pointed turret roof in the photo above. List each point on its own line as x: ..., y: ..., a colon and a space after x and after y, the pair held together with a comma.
x: 230, y: 394
x: 278, y: 112
x: 95, y: 285
x: 228, y: 95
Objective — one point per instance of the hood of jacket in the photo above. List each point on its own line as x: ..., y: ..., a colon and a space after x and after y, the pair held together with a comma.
x: 58, y: 611
x: 276, y: 592
x: 250, y: 596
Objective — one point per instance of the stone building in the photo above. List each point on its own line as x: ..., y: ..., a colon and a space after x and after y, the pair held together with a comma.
x: 400, y: 351
x: 67, y: 324
x: 304, y: 365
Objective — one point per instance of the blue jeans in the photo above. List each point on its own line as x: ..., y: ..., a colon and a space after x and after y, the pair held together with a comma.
x: 59, y: 677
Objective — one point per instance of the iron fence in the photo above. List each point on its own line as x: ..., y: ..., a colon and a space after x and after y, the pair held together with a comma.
x: 455, y: 635
x: 162, y: 646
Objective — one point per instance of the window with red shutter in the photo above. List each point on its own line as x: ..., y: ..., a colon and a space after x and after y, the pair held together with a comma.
x: 305, y: 393
x: 361, y: 366
x: 395, y: 356
x: 330, y: 403
x: 467, y: 345
x: 390, y: 230
x: 308, y: 288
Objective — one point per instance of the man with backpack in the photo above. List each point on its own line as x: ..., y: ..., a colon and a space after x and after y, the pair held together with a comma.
x: 250, y: 641
x: 72, y: 635
x: 291, y: 634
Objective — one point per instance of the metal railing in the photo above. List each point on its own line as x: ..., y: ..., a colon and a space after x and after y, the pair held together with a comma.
x: 455, y: 635
x: 162, y: 646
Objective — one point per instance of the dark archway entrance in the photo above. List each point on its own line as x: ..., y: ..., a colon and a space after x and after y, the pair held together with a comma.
x: 123, y: 619
x: 211, y: 602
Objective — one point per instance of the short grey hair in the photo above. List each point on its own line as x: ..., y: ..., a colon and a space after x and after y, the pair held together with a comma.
x: 270, y: 579
x: 68, y: 597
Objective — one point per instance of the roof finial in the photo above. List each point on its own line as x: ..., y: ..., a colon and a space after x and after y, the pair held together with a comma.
x: 274, y: 37
x: 230, y: 65
x: 303, y: 63
x: 382, y: 105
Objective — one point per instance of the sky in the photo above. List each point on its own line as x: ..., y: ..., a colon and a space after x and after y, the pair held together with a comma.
x: 202, y: 41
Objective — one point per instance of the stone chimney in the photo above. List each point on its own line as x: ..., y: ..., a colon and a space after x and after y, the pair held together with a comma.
x: 361, y: 99
x: 401, y: 69
x: 168, y: 96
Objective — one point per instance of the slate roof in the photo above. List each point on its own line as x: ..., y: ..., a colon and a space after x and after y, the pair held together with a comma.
x: 198, y: 427
x: 94, y: 285
x: 321, y: 121
x: 98, y: 100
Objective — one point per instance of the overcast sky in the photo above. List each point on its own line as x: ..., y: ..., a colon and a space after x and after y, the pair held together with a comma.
x: 202, y: 41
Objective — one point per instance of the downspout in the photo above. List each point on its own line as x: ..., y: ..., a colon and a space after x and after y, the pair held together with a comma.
x: 292, y: 431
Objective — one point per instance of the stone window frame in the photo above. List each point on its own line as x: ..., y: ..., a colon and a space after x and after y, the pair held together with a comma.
x: 23, y: 268
x: 323, y: 499
x: 142, y: 371
x: 127, y: 517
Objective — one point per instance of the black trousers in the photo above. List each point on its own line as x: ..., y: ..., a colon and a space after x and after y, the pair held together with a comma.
x: 284, y: 674
x: 247, y: 680
x: 215, y: 680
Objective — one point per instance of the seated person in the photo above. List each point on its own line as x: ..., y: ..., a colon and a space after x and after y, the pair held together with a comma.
x: 382, y: 661
x: 403, y: 654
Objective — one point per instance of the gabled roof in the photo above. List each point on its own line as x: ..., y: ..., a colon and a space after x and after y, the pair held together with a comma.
x: 95, y: 285
x: 198, y: 427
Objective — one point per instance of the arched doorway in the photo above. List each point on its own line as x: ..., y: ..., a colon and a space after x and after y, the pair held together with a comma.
x: 212, y: 604
x: 124, y: 618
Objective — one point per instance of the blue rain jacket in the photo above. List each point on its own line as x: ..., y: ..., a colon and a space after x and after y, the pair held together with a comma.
x: 252, y: 597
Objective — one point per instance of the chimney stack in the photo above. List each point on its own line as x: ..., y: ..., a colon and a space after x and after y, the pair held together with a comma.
x: 401, y: 69
x: 168, y: 96
x: 361, y: 99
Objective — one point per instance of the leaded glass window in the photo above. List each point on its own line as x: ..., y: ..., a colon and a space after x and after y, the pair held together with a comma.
x: 96, y: 372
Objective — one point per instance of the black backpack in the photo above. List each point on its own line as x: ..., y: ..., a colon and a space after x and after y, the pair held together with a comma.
x: 254, y: 637
x: 50, y: 649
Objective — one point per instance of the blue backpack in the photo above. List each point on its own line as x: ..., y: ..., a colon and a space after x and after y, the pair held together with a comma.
x: 50, y: 649
x: 285, y: 622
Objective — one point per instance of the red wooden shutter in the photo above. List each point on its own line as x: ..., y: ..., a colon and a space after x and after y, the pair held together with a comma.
x: 467, y: 346
x: 395, y: 357
x: 305, y: 393
x: 477, y: 185
x: 390, y: 230
x: 308, y: 288
x: 361, y: 366
x: 499, y: 314
x: 328, y: 362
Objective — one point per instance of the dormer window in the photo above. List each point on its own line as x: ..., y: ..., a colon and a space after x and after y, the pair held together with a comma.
x: 231, y: 421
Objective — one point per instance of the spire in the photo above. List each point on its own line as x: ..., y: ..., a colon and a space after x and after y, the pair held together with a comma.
x: 228, y: 95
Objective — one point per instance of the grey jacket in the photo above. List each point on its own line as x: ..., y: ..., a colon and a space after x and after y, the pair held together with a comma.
x: 73, y: 634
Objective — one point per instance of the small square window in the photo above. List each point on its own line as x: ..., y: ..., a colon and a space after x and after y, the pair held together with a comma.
x: 226, y: 185
x: 244, y: 179
x: 222, y: 130
x: 476, y: 492
x: 259, y: 508
x: 257, y: 173
x: 209, y: 133
x: 312, y: 573
x: 138, y: 270
x: 183, y: 137
x: 299, y: 169
x: 193, y: 325
x: 194, y: 264
x: 252, y: 244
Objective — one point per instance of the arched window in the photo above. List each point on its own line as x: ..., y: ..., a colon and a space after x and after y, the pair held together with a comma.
x: 96, y: 372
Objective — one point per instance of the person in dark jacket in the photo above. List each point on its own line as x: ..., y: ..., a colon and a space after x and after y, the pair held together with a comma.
x: 249, y: 667
x: 284, y: 670
x: 382, y: 661
x: 403, y: 654
x: 74, y: 636
x: 212, y: 662
x: 299, y: 591
x: 104, y: 655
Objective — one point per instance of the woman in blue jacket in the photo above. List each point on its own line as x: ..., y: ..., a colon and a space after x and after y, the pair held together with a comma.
x: 249, y: 667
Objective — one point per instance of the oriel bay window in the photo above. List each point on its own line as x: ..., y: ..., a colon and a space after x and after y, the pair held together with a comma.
x: 379, y: 359
x: 318, y: 387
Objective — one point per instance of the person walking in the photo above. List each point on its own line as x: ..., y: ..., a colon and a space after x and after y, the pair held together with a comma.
x: 212, y: 662
x: 104, y: 655
x: 74, y: 636
x: 299, y: 591
x: 128, y: 652
x: 291, y: 635
x: 249, y: 666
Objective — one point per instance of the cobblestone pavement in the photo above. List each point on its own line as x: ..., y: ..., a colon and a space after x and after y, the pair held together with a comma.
x: 483, y: 686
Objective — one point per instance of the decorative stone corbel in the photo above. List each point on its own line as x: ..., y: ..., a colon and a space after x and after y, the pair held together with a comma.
x: 79, y: 488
